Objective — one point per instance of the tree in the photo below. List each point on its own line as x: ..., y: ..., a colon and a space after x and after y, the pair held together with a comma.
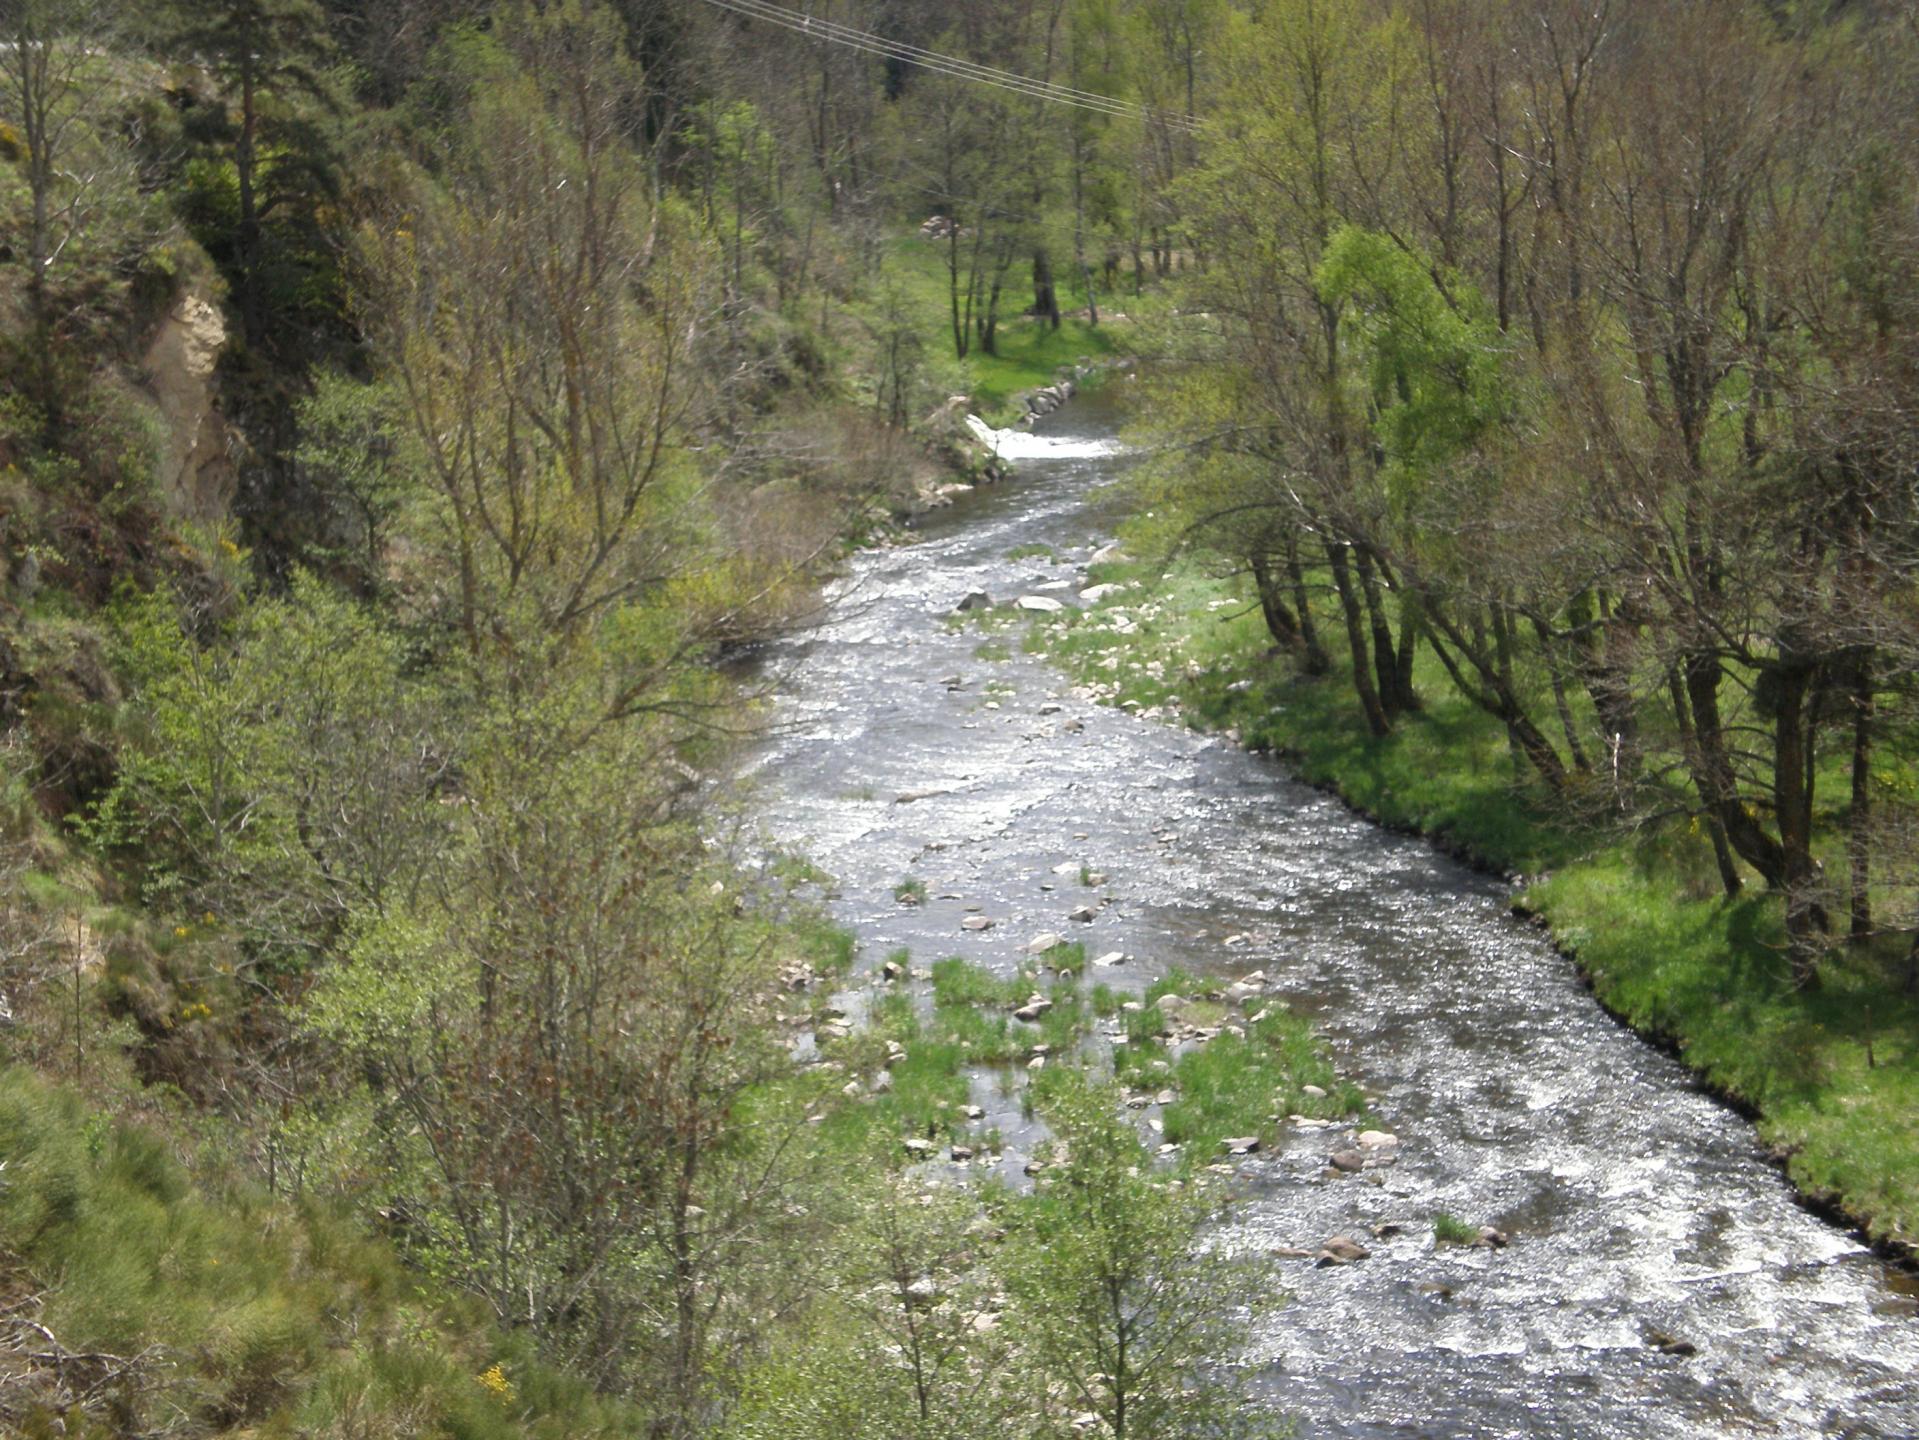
x: 1123, y: 1305
x: 264, y: 51
x: 52, y: 86
x: 539, y: 315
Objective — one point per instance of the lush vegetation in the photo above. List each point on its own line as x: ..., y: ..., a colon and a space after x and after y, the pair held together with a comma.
x: 409, y: 410
x: 1832, y: 1070
x: 1550, y: 460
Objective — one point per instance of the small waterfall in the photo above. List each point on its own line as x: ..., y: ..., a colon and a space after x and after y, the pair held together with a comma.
x: 1021, y: 445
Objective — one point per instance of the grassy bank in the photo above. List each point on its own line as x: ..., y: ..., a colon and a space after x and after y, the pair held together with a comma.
x: 131, y: 1289
x: 1832, y: 1075
x: 1029, y: 353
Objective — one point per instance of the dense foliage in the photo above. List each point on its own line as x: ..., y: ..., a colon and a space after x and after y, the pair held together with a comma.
x: 410, y: 408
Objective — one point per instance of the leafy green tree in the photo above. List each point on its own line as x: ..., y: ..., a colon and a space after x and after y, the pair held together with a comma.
x: 1119, y: 1299
x: 268, y: 53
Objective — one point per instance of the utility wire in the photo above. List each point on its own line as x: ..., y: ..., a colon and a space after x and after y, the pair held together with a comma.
x: 950, y: 65
x: 833, y: 30
x: 913, y: 55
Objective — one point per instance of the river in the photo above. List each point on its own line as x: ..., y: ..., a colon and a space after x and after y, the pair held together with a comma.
x: 1639, y: 1209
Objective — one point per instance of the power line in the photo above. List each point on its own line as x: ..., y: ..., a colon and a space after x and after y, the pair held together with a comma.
x: 914, y: 54
x: 951, y: 65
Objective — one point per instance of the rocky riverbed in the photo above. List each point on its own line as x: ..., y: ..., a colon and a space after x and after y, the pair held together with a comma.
x: 1619, y: 1259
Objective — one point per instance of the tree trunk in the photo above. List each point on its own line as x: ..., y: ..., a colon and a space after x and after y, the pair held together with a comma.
x: 1376, y: 719
x: 1560, y: 703
x: 1859, y: 827
x: 1384, y: 655
x: 1281, y: 623
x: 1793, y: 744
x: 1411, y: 622
x: 252, y: 316
x: 1045, y: 292
x: 1316, y: 660
x: 1689, y: 747
x: 1713, y: 775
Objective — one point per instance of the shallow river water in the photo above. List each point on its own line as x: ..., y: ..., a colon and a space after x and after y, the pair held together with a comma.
x: 1638, y: 1207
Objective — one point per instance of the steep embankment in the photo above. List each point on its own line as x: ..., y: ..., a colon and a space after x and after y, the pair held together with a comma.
x: 139, y: 1299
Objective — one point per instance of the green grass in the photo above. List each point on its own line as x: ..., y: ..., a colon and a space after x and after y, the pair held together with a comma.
x: 272, y: 1318
x: 1833, y: 1073
x: 958, y: 981
x: 1032, y: 551
x: 1029, y: 355
x: 910, y: 891
x: 1068, y: 955
x: 1231, y: 1087
x: 982, y: 1037
x: 1450, y: 1230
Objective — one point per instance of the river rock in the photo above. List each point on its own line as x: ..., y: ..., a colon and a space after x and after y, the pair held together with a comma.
x: 1491, y: 1239
x: 912, y: 797
x: 1165, y: 1097
x: 974, y: 600
x: 1084, y: 914
x: 918, y: 1148
x: 1171, y: 1004
x: 1093, y: 594
x: 1108, y: 554
x: 1377, y: 1140
x: 973, y: 1112
x: 1344, y: 1249
x: 892, y: 970
x: 1044, y: 604
x: 961, y: 1152
x: 1040, y: 944
x: 1031, y: 1011
x: 1313, y: 1091
x: 976, y: 922
x: 1239, y: 992
x: 1240, y: 1145
x: 1349, y: 1161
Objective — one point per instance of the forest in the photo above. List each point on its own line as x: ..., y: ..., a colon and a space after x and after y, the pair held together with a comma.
x: 417, y: 416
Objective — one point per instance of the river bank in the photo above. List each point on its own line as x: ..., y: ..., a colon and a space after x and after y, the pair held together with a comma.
x: 1661, y: 1279
x: 1830, y: 1076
